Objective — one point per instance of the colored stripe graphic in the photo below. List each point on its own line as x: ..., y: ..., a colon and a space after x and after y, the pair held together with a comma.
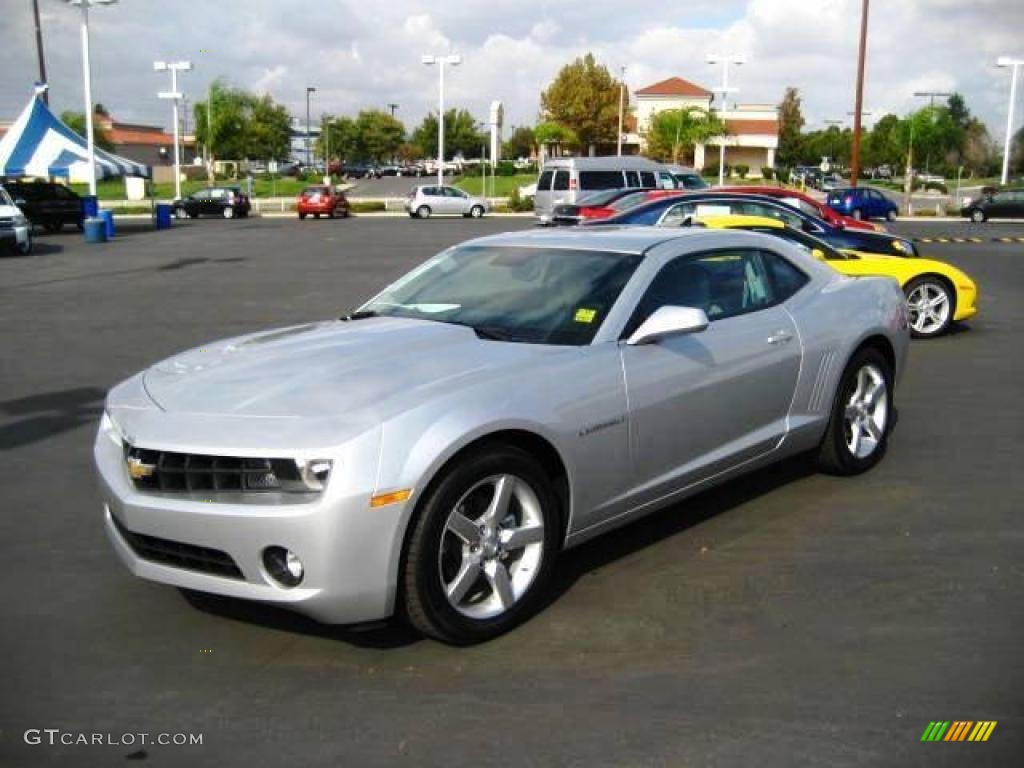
x: 982, y: 730
x: 958, y: 730
x: 935, y: 730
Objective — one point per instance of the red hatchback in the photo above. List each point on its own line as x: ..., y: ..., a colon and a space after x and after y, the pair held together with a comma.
x: 322, y: 200
x: 807, y: 204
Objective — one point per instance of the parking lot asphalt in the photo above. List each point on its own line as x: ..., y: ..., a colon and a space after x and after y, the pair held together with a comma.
x: 785, y: 619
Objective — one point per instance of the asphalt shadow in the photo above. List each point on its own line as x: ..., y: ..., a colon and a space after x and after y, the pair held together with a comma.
x: 44, y: 415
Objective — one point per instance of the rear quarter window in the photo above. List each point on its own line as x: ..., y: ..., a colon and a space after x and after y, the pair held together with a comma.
x: 591, y: 180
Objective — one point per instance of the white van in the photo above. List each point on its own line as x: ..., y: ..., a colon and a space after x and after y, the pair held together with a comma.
x: 566, y: 179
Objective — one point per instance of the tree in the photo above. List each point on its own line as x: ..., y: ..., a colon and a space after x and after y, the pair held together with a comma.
x: 461, y: 136
x: 241, y: 125
x: 674, y: 130
x: 342, y: 136
x: 791, y: 123
x: 378, y: 135
x: 584, y: 98
x: 76, y: 122
x: 520, y: 143
x: 555, y: 135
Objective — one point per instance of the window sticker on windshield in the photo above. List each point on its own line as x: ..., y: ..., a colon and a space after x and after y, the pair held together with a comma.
x: 585, y: 315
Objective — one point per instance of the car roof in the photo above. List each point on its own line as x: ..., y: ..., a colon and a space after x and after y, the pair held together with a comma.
x: 606, y: 162
x: 631, y: 240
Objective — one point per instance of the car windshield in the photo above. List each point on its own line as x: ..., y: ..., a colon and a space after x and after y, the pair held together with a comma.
x: 628, y: 201
x: 508, y: 293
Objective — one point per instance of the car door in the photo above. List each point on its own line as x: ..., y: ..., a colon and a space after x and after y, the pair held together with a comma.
x: 560, y: 189
x: 214, y: 201
x: 457, y: 200
x: 703, y: 402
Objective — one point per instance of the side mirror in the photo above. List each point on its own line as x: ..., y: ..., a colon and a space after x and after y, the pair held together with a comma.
x: 669, y: 321
x: 19, y: 201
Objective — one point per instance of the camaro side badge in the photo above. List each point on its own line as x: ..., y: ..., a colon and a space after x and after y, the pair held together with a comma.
x: 138, y: 469
x: 602, y: 425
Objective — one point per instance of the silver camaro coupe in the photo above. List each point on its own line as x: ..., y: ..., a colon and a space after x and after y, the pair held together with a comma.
x: 431, y: 453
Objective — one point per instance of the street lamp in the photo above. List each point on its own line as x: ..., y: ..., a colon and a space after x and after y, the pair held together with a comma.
x: 87, y: 78
x: 175, y: 96
x: 622, y: 100
x: 309, y: 157
x: 1014, y: 64
x: 453, y: 60
x: 725, y: 60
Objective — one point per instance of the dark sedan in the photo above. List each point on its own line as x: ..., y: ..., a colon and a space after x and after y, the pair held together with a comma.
x: 1003, y: 203
x: 674, y: 211
x: 47, y: 205
x: 227, y: 202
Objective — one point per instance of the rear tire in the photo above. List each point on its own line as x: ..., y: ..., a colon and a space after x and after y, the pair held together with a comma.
x: 423, y: 212
x: 977, y: 216
x: 466, y: 583
x: 53, y: 226
x: 228, y: 212
x: 302, y: 216
x: 891, y: 215
x: 476, y: 211
x: 862, y: 416
x: 180, y: 213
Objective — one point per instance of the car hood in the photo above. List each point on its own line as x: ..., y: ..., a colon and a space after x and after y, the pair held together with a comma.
x: 362, y: 370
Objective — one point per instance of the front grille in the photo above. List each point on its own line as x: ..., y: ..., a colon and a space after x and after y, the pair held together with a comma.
x: 179, y: 555
x: 6, y: 222
x: 167, y: 471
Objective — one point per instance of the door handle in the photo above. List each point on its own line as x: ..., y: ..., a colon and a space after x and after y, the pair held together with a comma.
x: 780, y: 337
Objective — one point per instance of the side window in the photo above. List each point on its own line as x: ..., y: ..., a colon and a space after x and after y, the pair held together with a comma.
x: 677, y: 214
x: 665, y: 180
x: 723, y: 283
x: 786, y: 279
x: 561, y: 182
x: 632, y: 179
x: 592, y: 180
x: 544, y: 182
x: 647, y: 179
x: 757, y: 209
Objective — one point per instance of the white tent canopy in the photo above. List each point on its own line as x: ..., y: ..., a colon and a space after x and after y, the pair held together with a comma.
x: 40, y: 144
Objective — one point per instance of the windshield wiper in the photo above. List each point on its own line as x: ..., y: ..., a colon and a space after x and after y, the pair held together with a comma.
x: 360, y: 315
x: 495, y: 334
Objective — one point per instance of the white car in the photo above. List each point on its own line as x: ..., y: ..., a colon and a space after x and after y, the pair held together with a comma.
x: 425, y: 201
x: 15, y: 228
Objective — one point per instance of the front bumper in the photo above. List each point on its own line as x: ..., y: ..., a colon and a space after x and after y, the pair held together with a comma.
x: 18, y: 235
x: 349, y: 551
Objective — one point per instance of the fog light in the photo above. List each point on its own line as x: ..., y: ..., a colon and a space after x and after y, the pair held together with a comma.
x: 283, y: 565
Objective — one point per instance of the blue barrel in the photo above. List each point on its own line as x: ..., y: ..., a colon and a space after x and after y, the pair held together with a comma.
x: 108, y: 223
x: 163, y: 216
x: 90, y: 206
x: 95, y: 230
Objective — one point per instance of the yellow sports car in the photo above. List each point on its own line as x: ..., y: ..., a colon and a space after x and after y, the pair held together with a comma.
x: 937, y: 293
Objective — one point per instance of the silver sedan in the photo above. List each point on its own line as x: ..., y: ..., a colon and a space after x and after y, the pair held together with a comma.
x: 431, y: 453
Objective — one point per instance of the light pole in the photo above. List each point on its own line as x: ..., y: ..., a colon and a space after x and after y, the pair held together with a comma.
x: 622, y: 99
x: 453, y: 60
x: 309, y: 157
x: 87, y: 79
x: 175, y: 96
x: 725, y: 60
x: 1014, y: 64
x: 40, y: 55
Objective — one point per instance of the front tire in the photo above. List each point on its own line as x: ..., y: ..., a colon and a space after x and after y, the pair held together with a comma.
x: 229, y: 212
x: 977, y: 216
x: 861, y: 419
x: 931, y: 303
x: 302, y: 216
x: 482, y: 548
x: 890, y: 215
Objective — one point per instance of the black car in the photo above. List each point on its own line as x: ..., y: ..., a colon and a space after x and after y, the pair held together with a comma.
x: 47, y: 205
x: 1002, y: 203
x: 228, y: 202
x: 680, y: 209
x: 362, y: 171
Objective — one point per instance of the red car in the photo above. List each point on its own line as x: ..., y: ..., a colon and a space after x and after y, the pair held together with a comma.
x: 321, y: 200
x: 807, y: 204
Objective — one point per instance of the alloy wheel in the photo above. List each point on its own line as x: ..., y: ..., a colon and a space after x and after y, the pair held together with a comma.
x: 492, y: 547
x: 929, y: 308
x: 866, y: 414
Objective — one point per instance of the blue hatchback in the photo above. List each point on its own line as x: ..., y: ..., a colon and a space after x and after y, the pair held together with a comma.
x: 861, y: 203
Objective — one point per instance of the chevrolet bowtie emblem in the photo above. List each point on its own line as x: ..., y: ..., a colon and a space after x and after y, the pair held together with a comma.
x: 138, y: 469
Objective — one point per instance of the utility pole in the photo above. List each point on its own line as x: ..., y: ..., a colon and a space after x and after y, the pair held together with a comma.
x: 858, y: 103
x: 309, y: 157
x: 39, y: 51
x: 622, y: 99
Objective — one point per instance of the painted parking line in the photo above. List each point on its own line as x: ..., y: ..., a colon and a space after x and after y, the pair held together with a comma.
x: 1012, y: 239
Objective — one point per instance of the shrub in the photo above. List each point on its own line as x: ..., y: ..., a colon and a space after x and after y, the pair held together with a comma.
x: 767, y: 172
x: 367, y: 206
x: 742, y: 169
x: 518, y: 203
x: 782, y: 174
x: 505, y: 168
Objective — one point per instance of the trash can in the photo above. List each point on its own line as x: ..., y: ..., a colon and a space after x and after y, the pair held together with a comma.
x: 163, y: 216
x: 95, y: 230
x: 90, y: 206
x: 108, y: 223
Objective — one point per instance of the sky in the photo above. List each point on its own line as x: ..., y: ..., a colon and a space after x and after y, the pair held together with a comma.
x: 367, y: 54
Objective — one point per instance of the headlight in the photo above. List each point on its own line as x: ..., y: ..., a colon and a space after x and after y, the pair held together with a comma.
x: 110, y: 428
x: 310, y: 475
x: 20, y: 220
